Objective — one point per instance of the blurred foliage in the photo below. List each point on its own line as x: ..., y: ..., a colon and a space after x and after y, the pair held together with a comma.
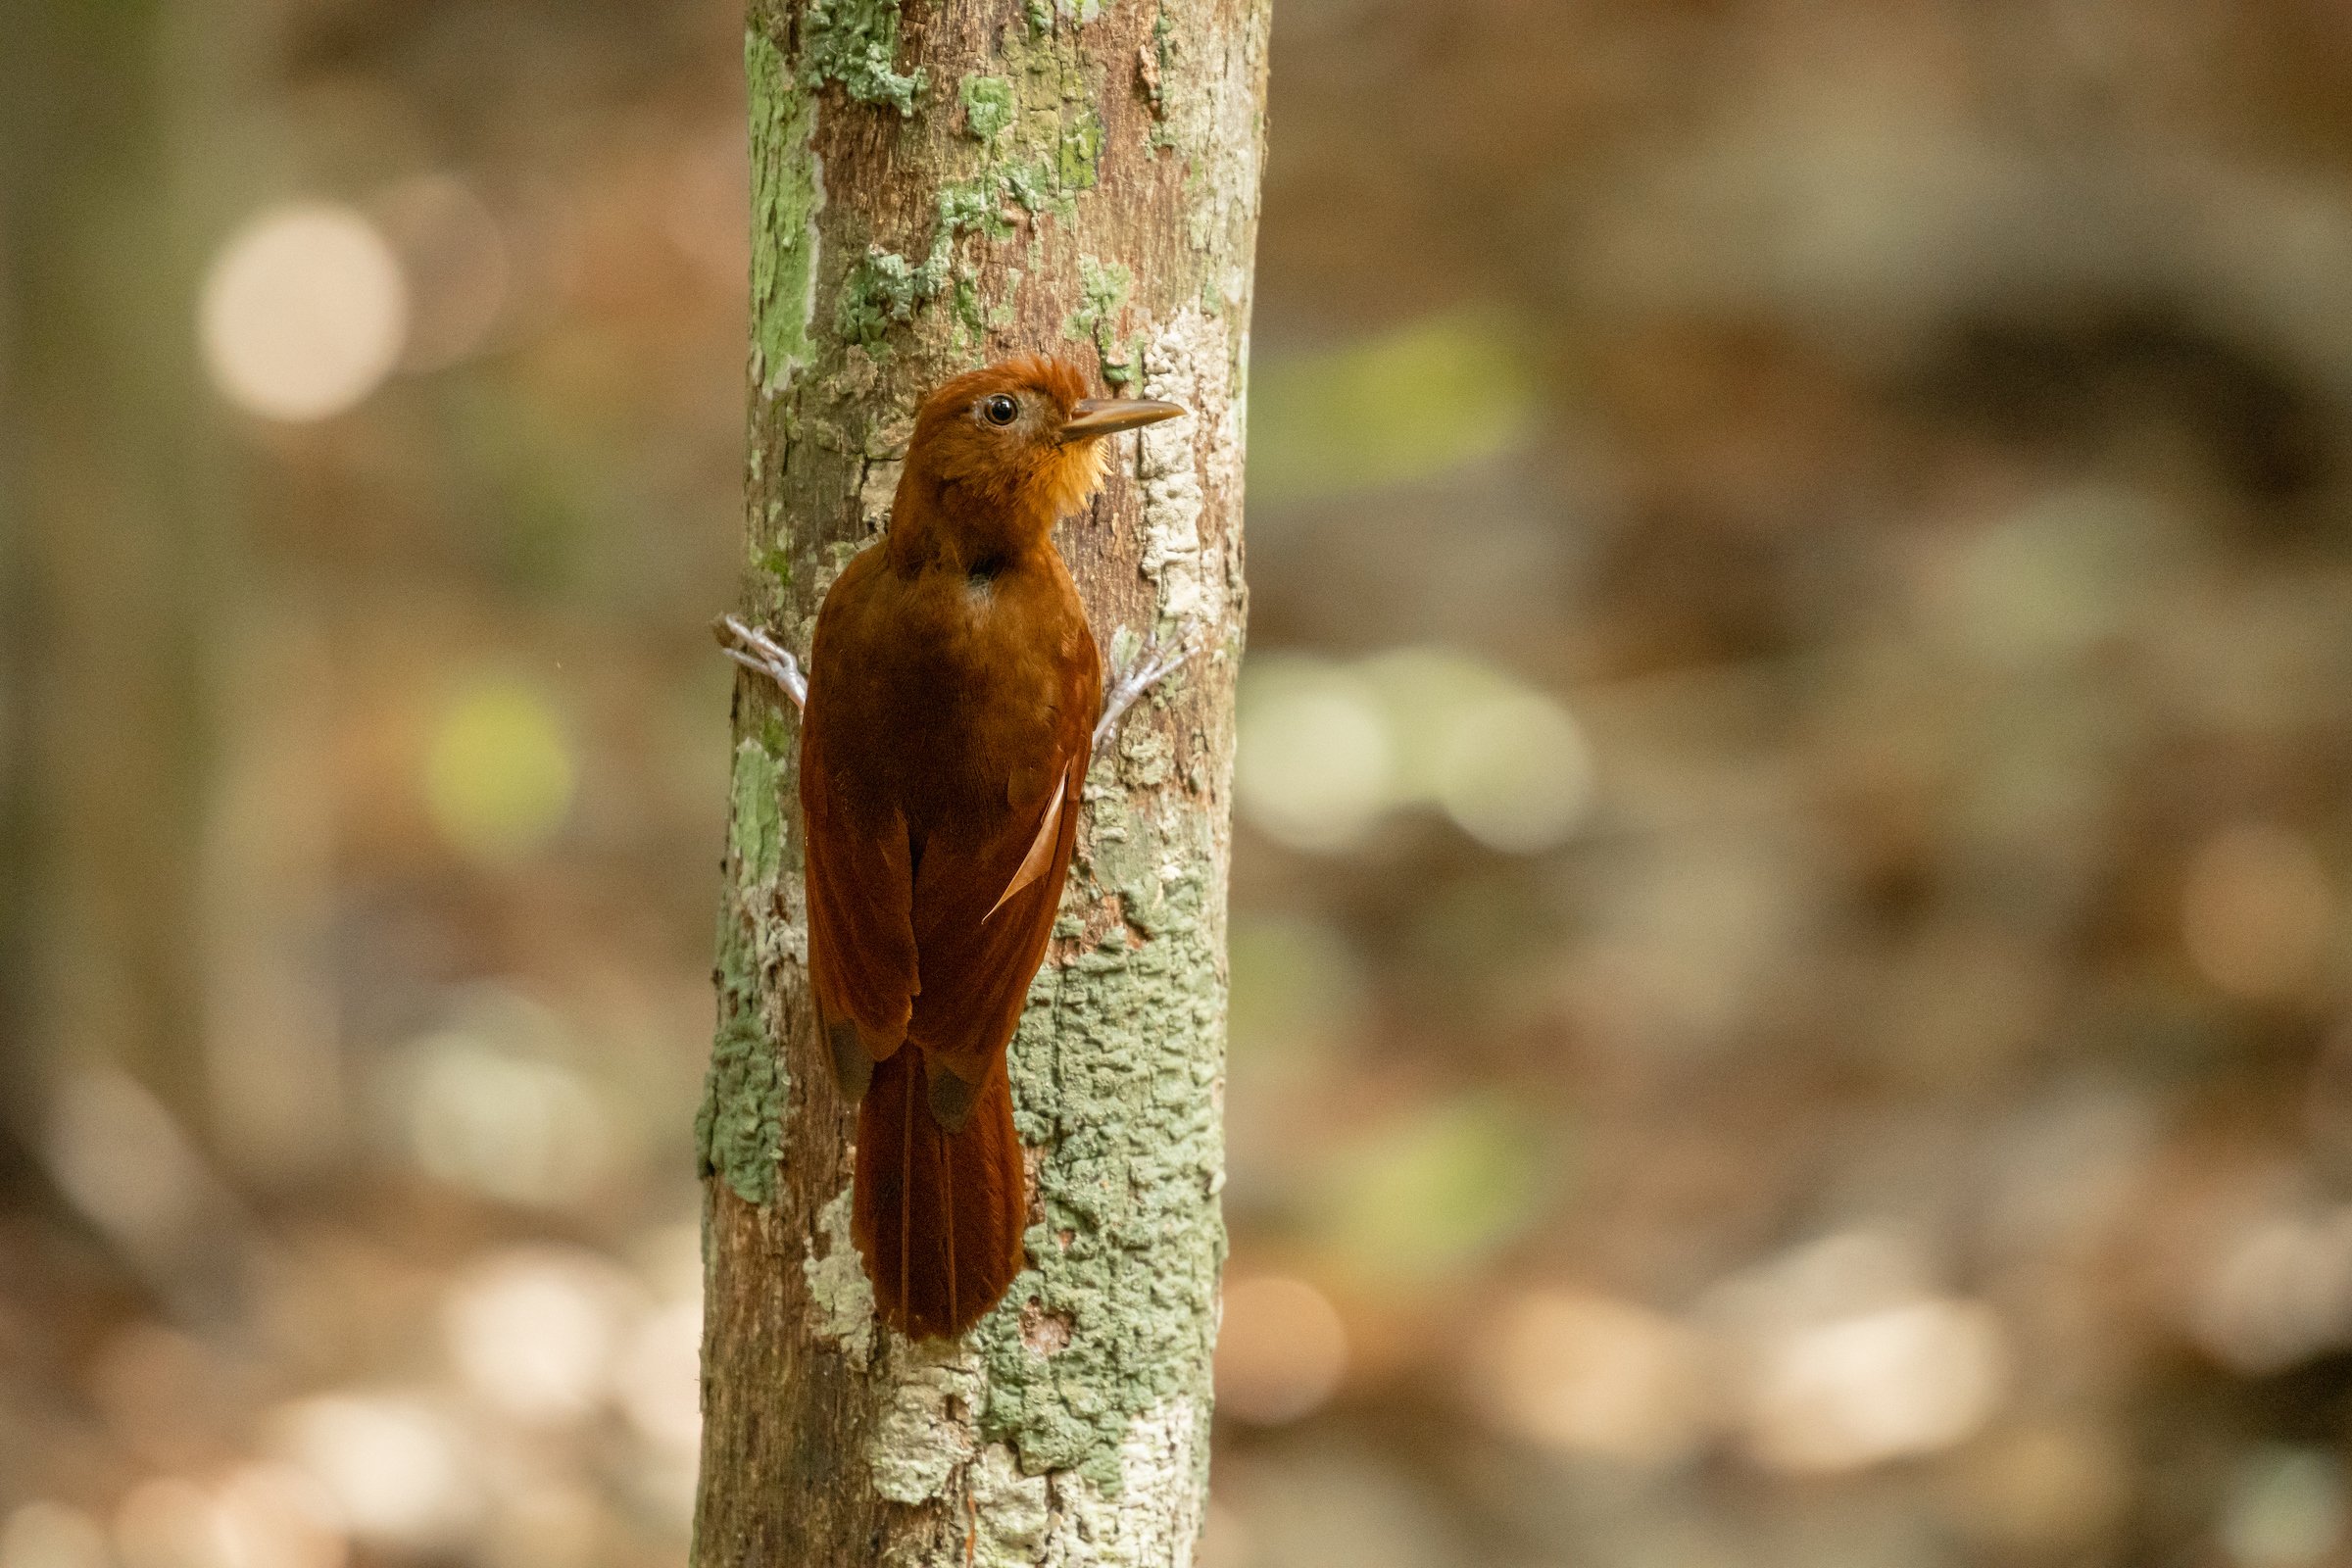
x: 1432, y: 1194
x: 1387, y: 409
x: 498, y: 774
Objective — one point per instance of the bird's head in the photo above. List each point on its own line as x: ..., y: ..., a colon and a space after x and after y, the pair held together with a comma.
x: 1011, y: 448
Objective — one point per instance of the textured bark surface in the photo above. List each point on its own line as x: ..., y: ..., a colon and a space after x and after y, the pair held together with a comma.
x: 934, y: 190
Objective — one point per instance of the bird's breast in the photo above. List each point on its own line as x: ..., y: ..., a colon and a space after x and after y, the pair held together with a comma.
x: 939, y: 689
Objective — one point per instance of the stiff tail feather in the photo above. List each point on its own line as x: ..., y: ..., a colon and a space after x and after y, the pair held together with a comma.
x: 938, y: 1215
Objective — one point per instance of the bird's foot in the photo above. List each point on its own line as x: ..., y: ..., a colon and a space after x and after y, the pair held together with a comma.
x: 756, y: 649
x: 1135, y: 672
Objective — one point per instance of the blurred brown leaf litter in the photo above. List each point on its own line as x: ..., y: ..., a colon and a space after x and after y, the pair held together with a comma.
x: 1790, y: 949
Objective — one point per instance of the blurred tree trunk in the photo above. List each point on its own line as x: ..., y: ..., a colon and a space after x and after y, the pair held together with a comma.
x: 105, y: 592
x: 932, y: 191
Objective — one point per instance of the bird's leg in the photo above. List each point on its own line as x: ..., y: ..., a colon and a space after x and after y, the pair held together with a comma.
x: 1135, y: 674
x: 754, y: 648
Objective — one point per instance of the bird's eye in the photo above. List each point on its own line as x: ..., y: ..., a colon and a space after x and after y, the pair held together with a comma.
x: 1000, y: 410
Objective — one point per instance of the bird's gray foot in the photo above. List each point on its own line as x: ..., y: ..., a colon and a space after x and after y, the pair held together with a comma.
x: 1134, y: 673
x: 756, y: 649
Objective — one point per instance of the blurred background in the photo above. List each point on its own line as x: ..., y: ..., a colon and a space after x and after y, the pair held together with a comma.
x: 1789, y: 939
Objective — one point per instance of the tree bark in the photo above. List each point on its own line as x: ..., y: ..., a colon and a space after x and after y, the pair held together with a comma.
x: 932, y: 191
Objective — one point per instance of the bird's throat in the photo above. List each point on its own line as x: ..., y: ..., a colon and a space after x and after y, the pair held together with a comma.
x: 991, y: 513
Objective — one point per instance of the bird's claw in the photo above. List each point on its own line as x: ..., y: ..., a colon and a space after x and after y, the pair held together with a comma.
x: 756, y: 649
x: 1136, y: 673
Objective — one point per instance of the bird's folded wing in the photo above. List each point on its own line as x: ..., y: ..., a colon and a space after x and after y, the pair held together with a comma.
x: 860, y: 894
x: 1042, y: 845
x: 983, y: 911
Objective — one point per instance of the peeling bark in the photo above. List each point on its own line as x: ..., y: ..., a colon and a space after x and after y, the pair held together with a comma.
x: 933, y: 190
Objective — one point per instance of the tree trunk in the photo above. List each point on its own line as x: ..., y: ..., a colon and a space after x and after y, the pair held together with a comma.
x: 933, y: 191
x: 110, y: 536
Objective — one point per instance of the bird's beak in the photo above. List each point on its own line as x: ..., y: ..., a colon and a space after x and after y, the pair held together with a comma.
x: 1106, y: 416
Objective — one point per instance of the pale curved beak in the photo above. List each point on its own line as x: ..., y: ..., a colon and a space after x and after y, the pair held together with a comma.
x: 1108, y: 416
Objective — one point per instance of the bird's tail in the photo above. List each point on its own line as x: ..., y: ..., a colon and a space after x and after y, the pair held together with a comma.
x: 938, y: 1215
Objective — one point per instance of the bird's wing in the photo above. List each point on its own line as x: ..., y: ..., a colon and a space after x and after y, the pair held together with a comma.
x: 984, y: 909
x: 860, y: 883
x: 1041, y: 846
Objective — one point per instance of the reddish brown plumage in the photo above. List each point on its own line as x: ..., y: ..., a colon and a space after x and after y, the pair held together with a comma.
x: 953, y: 686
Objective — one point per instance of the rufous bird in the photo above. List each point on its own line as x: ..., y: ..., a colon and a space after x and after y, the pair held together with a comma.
x: 954, y: 700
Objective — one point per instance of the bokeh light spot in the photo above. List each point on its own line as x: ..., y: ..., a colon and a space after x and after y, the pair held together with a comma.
x: 535, y: 1331
x: 458, y: 263
x: 262, y: 1515
x: 52, y: 1535
x: 1313, y: 764
x: 1389, y: 409
x: 2257, y: 911
x: 1430, y: 1195
x: 2278, y: 1291
x: 499, y: 772
x: 506, y: 1125
x: 1282, y: 1350
x: 1858, y: 1391
x: 165, y: 1523
x: 660, y: 1378
x: 276, y: 1516
x: 395, y: 1467
x: 1517, y: 774
x: 303, y: 314
x: 1327, y: 749
x: 1585, y: 1374
x: 2287, y: 1509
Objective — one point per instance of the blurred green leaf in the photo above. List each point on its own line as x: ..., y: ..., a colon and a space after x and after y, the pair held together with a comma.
x: 1435, y: 1192
x: 1296, y: 987
x: 499, y: 771
x: 1445, y: 391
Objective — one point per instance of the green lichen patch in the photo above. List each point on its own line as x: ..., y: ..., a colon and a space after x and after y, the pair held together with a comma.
x: 972, y: 204
x: 1114, y: 1074
x: 786, y: 194
x: 757, y: 818
x: 1154, y: 66
x: 987, y: 106
x: 856, y: 43
x: 883, y: 289
x: 1080, y: 149
x: 1058, y: 131
x: 1030, y: 184
x: 971, y: 314
x: 1103, y: 289
x: 739, y: 1128
x: 1035, y: 140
